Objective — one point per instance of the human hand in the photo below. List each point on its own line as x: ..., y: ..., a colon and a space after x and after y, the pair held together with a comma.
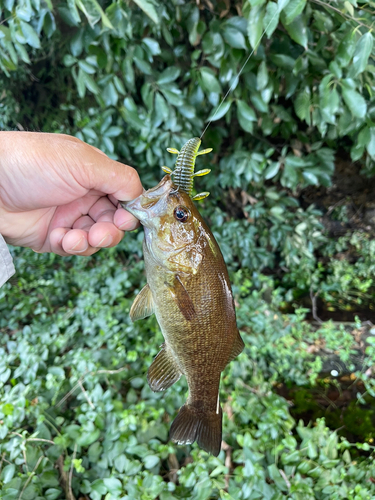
x: 58, y: 194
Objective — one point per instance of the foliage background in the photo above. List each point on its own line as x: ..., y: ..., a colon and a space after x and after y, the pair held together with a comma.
x: 77, y: 419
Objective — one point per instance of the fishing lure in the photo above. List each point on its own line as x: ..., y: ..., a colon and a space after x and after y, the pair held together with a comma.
x: 184, y: 168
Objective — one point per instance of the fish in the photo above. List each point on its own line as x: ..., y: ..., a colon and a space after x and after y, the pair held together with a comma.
x: 189, y: 291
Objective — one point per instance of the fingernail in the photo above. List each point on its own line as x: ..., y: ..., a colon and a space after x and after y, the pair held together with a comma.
x: 78, y: 244
x: 105, y: 242
x: 129, y: 225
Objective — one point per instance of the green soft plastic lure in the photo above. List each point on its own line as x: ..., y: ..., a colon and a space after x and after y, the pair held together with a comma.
x: 183, y: 173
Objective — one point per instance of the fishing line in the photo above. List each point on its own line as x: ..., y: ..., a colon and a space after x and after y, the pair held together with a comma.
x: 237, y: 77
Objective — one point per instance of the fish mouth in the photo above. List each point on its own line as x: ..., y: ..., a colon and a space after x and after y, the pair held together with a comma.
x: 135, y: 207
x: 142, y: 207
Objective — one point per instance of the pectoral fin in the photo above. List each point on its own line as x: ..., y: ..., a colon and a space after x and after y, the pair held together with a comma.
x: 182, y: 298
x: 163, y: 371
x: 237, y: 347
x: 143, y: 304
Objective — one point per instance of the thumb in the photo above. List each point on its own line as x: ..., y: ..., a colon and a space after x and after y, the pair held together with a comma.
x: 95, y: 170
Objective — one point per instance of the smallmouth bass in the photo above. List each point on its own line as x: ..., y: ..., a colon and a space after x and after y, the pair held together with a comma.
x: 189, y: 291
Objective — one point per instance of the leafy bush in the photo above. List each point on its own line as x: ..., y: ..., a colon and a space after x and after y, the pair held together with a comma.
x: 133, y: 78
x: 74, y: 393
x: 343, y: 276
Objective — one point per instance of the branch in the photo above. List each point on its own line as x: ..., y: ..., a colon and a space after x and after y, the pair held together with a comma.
x: 328, y: 5
x: 314, y: 308
x: 86, y: 395
x: 82, y: 378
x: 64, y: 479
x: 31, y: 476
x: 71, y: 472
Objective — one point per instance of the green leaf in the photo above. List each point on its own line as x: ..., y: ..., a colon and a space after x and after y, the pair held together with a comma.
x: 209, y: 80
x: 262, y: 76
x: 349, y: 7
x: 335, y: 69
x: 271, y: 18
x: 81, y: 84
x: 302, y: 104
x: 49, y: 24
x: 109, y: 94
x: 69, y: 60
x: 281, y: 4
x: 362, y: 53
x: 234, y: 38
x: 87, y: 438
x: 355, y: 102
x: 3, y: 378
x: 74, y: 12
x: 172, y: 95
x: 272, y: 170
x: 364, y: 137
x: 113, y: 484
x: 90, y: 11
x: 91, y: 84
x: 132, y: 118
x: 114, y: 131
x: 346, y: 49
x: 152, y: 45
x: 213, y: 43
x: 276, y: 477
x: 93, y: 11
x: 149, y: 8
x: 22, y: 52
x: 246, y: 116
x: 120, y: 463
x: 255, y: 25
x: 151, y: 461
x: 293, y: 9
x: 99, y: 487
x: 169, y: 75
x: 30, y: 35
x: 283, y: 61
x: 258, y: 102
x: 297, y: 31
x: 76, y: 43
x: 310, y: 177
x: 52, y: 494
x: 188, y: 111
x: 86, y: 67
x: 161, y: 106
x: 8, y: 473
x: 329, y: 104
x: 119, y: 85
x: 371, y: 143
x: 220, y: 111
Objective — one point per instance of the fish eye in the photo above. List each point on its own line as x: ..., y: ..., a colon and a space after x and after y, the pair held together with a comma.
x: 181, y: 213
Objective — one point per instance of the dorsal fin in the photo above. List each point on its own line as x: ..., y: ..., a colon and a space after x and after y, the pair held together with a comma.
x: 237, y: 347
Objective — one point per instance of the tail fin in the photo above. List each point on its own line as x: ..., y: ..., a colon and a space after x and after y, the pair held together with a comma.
x: 193, y: 423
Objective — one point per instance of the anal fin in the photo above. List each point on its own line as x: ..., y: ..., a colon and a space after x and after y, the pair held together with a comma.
x: 163, y: 371
x: 182, y: 298
x: 143, y: 305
